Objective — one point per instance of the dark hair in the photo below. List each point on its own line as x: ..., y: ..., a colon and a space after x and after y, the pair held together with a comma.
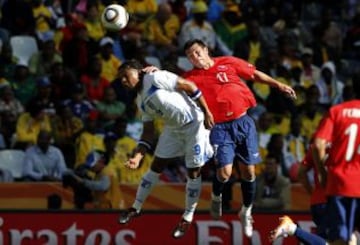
x: 34, y: 108
x: 191, y: 42
x: 130, y: 64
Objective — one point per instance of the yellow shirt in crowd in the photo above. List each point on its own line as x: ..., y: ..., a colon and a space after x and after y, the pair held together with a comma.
x: 142, y: 6
x: 41, y: 23
x: 163, y: 34
x: 27, y: 128
x: 282, y: 126
x: 87, y: 143
x: 124, y: 148
x: 110, y: 68
x: 95, y: 30
x: 309, y: 125
x: 110, y: 198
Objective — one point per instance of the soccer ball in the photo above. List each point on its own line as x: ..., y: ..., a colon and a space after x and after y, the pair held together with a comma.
x: 114, y: 17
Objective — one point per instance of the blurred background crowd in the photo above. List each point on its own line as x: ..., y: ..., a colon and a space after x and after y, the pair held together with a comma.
x: 59, y: 90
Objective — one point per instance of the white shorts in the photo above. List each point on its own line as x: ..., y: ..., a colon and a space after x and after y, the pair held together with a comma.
x: 191, y: 141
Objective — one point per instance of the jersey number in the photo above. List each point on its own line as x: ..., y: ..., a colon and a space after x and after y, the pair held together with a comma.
x: 352, y: 131
x: 222, y: 77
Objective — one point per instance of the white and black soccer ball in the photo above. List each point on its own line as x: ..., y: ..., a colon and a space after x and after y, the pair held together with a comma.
x: 114, y: 17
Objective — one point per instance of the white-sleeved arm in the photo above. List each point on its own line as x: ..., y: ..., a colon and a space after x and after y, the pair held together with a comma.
x: 165, y: 80
x: 144, y: 116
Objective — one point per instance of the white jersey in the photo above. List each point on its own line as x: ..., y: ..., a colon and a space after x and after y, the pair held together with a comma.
x: 159, y: 99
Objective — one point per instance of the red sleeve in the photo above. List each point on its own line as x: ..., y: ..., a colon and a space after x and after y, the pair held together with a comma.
x: 244, y: 69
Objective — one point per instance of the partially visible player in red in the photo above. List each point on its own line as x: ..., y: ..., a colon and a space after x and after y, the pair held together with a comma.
x: 339, y: 172
x: 336, y: 219
x: 319, y: 214
x: 317, y: 205
x: 318, y: 197
x: 234, y: 136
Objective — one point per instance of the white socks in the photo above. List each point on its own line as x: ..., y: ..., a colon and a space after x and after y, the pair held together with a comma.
x: 193, y: 189
x: 246, y: 210
x: 216, y: 198
x: 292, y: 228
x: 148, y: 181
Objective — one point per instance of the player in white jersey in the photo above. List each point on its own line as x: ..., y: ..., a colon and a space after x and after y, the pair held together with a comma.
x: 165, y: 95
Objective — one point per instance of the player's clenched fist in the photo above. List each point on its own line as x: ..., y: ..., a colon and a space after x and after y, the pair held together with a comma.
x: 134, y: 162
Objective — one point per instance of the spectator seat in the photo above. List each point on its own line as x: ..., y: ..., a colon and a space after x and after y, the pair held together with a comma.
x: 153, y: 60
x: 184, y: 63
x: 12, y: 160
x: 23, y: 47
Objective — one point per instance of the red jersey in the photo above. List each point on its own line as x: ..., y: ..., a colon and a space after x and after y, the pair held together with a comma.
x: 226, y: 94
x: 341, y: 127
x: 94, y: 92
x: 318, y: 195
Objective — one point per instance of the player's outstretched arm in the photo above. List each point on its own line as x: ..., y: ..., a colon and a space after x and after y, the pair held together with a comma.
x: 262, y: 77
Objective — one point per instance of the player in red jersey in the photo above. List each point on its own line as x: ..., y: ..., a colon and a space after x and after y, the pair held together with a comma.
x: 317, y: 205
x: 340, y: 171
x: 234, y: 136
x: 318, y: 198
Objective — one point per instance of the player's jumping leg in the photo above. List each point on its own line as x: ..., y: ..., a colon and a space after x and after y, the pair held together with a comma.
x: 287, y: 227
x: 149, y: 180
x: 222, y: 176
x: 216, y: 198
x: 248, y: 188
x: 193, y: 189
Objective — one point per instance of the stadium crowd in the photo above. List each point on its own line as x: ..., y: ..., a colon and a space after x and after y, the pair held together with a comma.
x: 58, y: 77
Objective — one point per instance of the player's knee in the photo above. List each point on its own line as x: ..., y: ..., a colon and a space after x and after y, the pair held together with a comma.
x: 248, y: 176
x: 247, y: 172
x: 223, y: 177
x: 224, y: 173
x: 193, y: 173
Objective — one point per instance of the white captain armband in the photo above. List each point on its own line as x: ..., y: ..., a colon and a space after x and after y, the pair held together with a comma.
x: 196, y: 95
x: 146, y: 144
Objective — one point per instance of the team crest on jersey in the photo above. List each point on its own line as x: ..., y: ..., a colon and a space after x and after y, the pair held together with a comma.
x: 222, y: 68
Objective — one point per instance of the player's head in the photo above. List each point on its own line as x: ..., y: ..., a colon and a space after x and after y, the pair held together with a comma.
x: 197, y: 53
x: 129, y: 73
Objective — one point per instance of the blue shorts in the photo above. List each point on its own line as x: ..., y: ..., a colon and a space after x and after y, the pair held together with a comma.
x: 318, y: 213
x: 343, y: 217
x: 237, y: 138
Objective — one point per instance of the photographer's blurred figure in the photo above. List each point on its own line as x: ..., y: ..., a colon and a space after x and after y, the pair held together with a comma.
x: 105, y: 187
